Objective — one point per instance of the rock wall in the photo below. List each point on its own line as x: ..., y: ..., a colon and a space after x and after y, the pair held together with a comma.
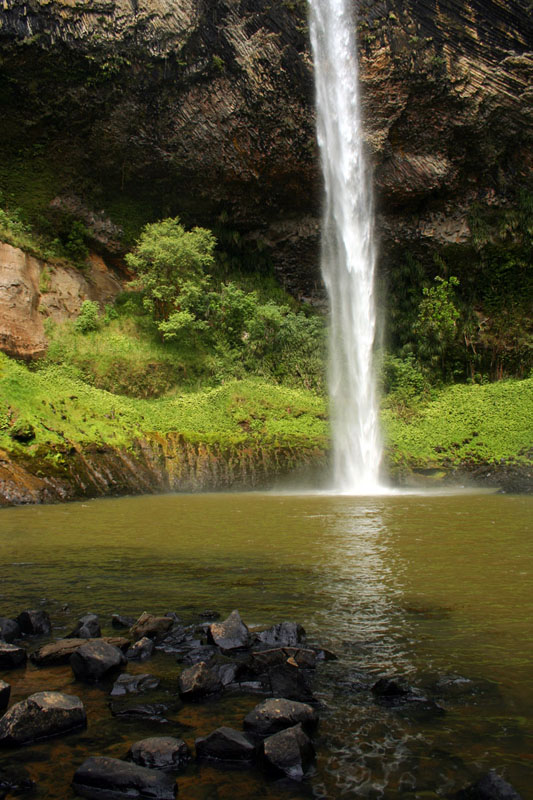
x: 32, y: 290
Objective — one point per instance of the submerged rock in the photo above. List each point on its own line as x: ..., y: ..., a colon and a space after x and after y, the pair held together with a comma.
x: 35, y: 622
x: 198, y: 682
x: 151, y: 626
x: 15, y: 781
x: 41, y: 715
x: 9, y: 629
x: 489, y: 787
x: 134, y: 684
x: 262, y: 660
x: 148, y: 712
x: 390, y: 689
x: 289, y: 752
x: 120, y: 621
x: 88, y: 627
x: 226, y: 745
x: 12, y: 656
x: 274, y: 715
x: 59, y: 652
x: 5, y: 691
x: 102, y: 777
x: 141, y: 650
x: 96, y: 660
x: 284, y: 634
x: 231, y: 634
x: 160, y: 752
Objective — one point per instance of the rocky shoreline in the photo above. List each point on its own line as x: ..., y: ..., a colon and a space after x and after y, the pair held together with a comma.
x: 216, y: 658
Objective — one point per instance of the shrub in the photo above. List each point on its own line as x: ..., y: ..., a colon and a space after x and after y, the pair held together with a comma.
x: 89, y: 317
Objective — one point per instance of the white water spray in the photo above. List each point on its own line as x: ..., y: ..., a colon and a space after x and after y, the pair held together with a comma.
x: 348, y: 256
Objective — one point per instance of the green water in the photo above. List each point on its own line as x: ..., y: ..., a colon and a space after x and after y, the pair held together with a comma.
x: 419, y: 586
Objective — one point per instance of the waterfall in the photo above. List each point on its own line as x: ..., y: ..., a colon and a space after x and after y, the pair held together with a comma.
x: 348, y: 254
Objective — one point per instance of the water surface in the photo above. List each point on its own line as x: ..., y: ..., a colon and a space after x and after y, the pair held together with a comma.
x: 419, y: 586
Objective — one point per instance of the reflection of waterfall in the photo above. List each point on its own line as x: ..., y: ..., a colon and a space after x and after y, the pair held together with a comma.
x: 347, y: 248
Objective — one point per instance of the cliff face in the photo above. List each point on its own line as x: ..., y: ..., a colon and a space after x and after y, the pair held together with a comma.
x: 145, y: 108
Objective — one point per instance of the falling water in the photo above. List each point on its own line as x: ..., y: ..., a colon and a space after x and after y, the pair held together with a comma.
x: 348, y: 256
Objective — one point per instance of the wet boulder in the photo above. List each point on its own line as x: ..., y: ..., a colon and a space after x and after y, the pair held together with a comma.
x: 96, y: 661
x: 9, y: 629
x: 151, y: 626
x: 263, y: 660
x: 198, y: 682
x: 60, y: 651
x: 35, y: 622
x: 289, y: 681
x: 141, y: 650
x: 12, y: 656
x: 41, y: 715
x: 205, y: 652
x: 177, y: 640
x: 275, y: 715
x: 226, y: 745
x: 231, y: 634
x: 134, y: 684
x: 100, y: 777
x: 388, y: 690
x: 490, y: 786
x: 5, y: 691
x: 284, y: 634
x: 289, y: 752
x: 88, y: 627
x: 160, y: 752
x: 121, y: 621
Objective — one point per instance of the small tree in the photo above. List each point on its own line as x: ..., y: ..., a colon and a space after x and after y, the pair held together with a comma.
x: 165, y: 258
x: 89, y: 317
x: 436, y: 325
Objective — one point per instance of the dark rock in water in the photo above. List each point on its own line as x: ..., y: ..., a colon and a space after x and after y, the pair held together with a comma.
x: 177, y: 640
x: 208, y: 613
x: 173, y: 616
x: 149, y: 712
x: 9, y: 629
x: 231, y: 634
x: 12, y: 656
x: 227, y: 673
x: 88, y: 627
x: 41, y: 715
x: 134, y: 684
x: 60, y: 651
x: 35, y: 622
x: 390, y: 689
x: 272, y: 716
x: 288, y: 680
x: 203, y: 653
x: 489, y: 787
x: 456, y: 687
x: 227, y: 745
x: 96, y: 660
x: 5, y: 691
x: 141, y: 650
x: 284, y: 634
x: 323, y: 654
x: 14, y: 781
x: 198, y: 682
x: 160, y: 752
x: 151, y: 626
x: 101, y: 777
x: 263, y: 660
x: 119, y: 621
x: 289, y: 752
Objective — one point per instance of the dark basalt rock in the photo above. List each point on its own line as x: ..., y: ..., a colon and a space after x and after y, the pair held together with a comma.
x: 389, y: 689
x: 134, y: 684
x: 88, y: 627
x: 60, y: 651
x: 489, y: 787
x: 275, y: 715
x: 226, y: 745
x: 101, y: 777
x: 263, y: 660
x: 119, y: 621
x: 95, y: 661
x: 289, y: 681
x: 208, y: 613
x: 35, y: 622
x: 289, y: 752
x: 203, y: 653
x: 151, y: 626
x: 5, y: 691
x: 141, y: 650
x: 178, y: 640
x: 160, y: 752
x: 231, y: 634
x: 198, y: 682
x: 12, y: 656
x: 284, y: 634
x: 41, y: 715
x: 400, y: 697
x: 9, y: 629
x: 147, y: 712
